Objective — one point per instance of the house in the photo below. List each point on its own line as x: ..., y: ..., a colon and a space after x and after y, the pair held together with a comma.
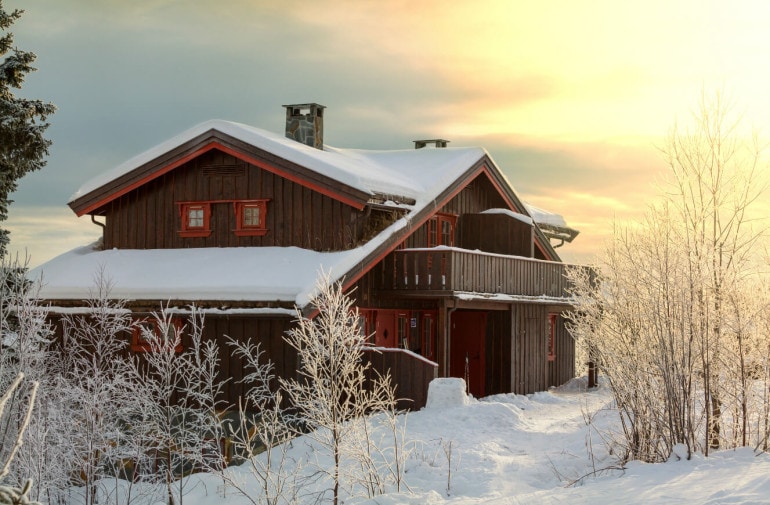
x: 447, y: 266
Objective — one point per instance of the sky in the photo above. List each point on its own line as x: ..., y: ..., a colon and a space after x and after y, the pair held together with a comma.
x: 572, y: 100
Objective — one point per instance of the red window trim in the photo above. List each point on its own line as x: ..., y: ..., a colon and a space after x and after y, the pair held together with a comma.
x: 434, y: 229
x: 139, y: 344
x: 551, y: 337
x: 195, y: 231
x: 241, y: 229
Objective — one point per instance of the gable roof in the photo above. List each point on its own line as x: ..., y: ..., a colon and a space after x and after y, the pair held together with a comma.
x: 417, y: 180
x: 350, y: 175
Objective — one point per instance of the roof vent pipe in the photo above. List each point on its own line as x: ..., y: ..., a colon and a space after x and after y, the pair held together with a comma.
x: 305, y: 124
x: 419, y: 144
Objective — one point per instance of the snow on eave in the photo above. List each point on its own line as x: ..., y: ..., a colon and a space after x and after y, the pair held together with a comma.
x: 502, y: 297
x: 541, y: 216
x: 515, y: 215
x: 485, y: 253
x: 406, y: 174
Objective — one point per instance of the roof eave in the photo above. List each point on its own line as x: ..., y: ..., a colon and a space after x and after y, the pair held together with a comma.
x: 94, y: 201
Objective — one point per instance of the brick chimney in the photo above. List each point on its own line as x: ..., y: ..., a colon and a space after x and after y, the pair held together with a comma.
x: 305, y: 124
x: 419, y: 144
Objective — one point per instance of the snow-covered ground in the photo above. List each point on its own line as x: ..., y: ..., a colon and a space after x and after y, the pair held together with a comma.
x: 541, y: 449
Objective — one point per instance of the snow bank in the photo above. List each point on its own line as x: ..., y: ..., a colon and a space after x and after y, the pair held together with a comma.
x: 446, y: 392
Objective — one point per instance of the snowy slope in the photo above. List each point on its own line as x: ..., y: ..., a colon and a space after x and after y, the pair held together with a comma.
x: 544, y: 448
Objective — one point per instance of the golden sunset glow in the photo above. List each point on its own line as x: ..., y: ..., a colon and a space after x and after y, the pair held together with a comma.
x: 572, y: 99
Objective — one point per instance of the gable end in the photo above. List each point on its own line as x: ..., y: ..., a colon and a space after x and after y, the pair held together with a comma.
x: 94, y: 201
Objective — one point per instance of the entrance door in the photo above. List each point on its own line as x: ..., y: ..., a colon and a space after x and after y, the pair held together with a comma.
x: 385, y: 335
x: 469, y: 330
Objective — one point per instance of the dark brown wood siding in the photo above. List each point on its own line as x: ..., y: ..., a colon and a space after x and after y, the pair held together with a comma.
x: 268, y: 331
x: 562, y: 368
x: 149, y: 217
x: 479, y: 195
x: 529, y: 359
x: 409, y: 374
x: 495, y: 233
x: 498, y: 353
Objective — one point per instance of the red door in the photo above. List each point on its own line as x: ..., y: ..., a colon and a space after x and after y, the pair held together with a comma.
x: 469, y: 330
x: 385, y: 334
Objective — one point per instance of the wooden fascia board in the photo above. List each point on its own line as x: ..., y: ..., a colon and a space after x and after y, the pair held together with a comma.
x: 208, y: 141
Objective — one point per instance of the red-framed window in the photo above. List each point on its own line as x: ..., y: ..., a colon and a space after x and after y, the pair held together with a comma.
x: 250, y: 217
x: 551, y: 337
x: 402, y: 333
x: 367, y: 324
x: 196, y: 219
x: 441, y: 230
x: 149, y: 334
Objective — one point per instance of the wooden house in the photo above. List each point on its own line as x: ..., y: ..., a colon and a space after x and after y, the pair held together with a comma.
x: 450, y: 272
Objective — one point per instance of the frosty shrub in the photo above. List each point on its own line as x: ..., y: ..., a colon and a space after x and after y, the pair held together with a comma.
x: 25, y: 339
x: 674, y: 318
x: 335, y: 390
x: 178, y: 418
x: 260, y: 433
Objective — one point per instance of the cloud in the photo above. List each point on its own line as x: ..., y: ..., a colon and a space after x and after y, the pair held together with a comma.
x: 42, y: 233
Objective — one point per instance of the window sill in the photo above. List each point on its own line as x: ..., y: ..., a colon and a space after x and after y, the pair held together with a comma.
x: 250, y: 233
x: 195, y: 233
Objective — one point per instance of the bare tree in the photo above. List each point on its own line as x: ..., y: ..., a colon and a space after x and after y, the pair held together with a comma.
x: 333, y: 389
x: 260, y: 433
x: 94, y: 388
x: 181, y: 397
x: 671, y: 315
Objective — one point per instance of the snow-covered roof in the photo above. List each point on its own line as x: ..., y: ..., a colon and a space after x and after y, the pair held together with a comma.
x: 416, y: 174
x: 541, y: 216
x: 416, y: 178
x: 234, y: 274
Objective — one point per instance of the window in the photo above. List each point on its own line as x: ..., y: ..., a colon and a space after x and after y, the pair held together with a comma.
x: 441, y: 230
x: 403, y: 329
x: 551, y: 337
x: 250, y: 217
x: 196, y: 218
x: 150, y: 334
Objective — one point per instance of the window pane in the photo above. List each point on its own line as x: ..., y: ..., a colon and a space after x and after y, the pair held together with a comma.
x: 446, y: 233
x: 251, y: 215
x: 432, y: 233
x: 195, y: 217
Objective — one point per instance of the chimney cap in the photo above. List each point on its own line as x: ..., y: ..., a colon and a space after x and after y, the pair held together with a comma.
x: 419, y: 144
x: 311, y: 106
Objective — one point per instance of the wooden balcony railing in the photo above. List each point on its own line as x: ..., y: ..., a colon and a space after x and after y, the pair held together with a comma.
x: 453, y: 269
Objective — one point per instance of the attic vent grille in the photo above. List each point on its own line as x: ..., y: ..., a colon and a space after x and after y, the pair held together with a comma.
x: 232, y: 169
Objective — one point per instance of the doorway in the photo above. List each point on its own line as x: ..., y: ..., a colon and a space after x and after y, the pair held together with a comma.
x: 467, y: 359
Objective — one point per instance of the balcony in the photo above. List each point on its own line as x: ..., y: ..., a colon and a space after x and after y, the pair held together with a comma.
x: 452, y: 269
